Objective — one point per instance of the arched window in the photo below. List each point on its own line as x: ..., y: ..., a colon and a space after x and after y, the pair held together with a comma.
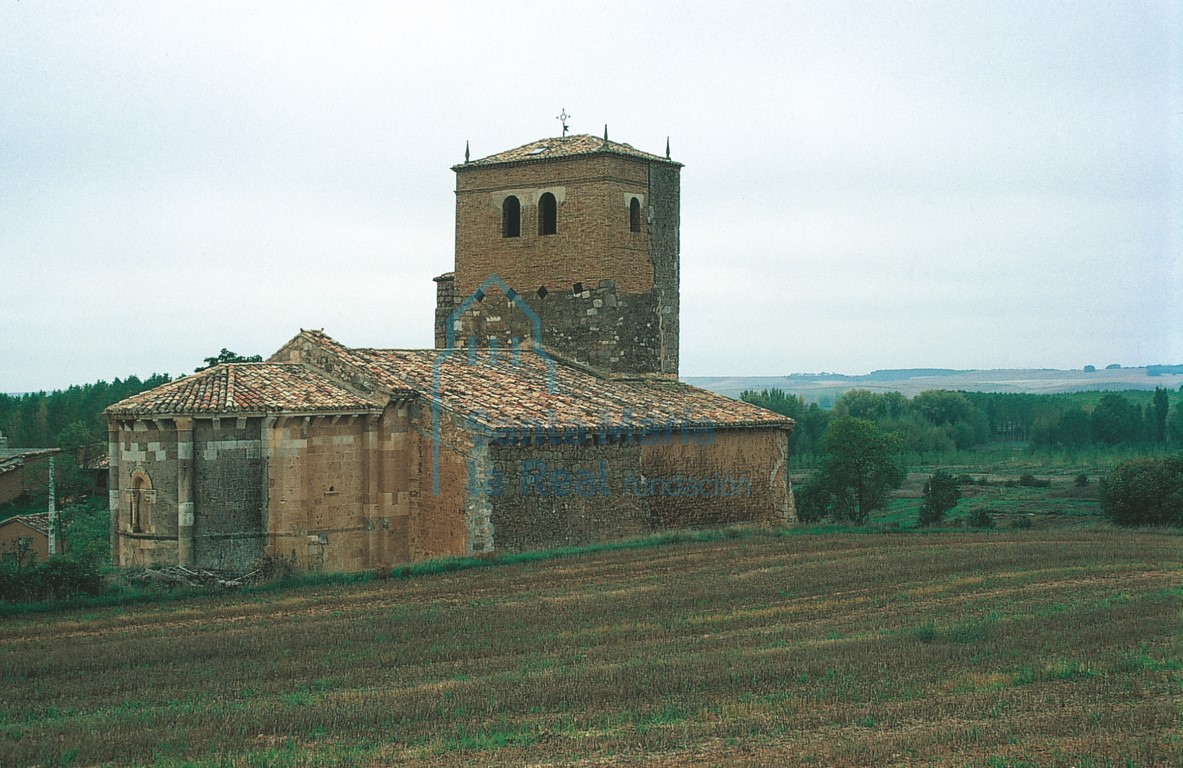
x: 634, y: 215
x: 137, y: 505
x: 547, y: 213
x: 511, y: 217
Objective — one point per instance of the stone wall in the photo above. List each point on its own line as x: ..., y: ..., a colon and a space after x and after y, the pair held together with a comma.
x: 228, y: 481
x: 561, y: 495
x: 146, y: 475
x: 717, y: 477
x: 336, y: 498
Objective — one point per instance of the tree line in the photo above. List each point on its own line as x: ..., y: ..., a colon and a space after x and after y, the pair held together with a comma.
x: 940, y: 421
x: 69, y: 419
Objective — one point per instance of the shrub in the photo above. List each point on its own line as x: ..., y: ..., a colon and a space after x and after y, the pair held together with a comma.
x: 1028, y: 480
x: 57, y: 578
x: 1144, y: 492
x: 941, y: 493
x: 980, y: 517
x: 814, y: 501
x: 1021, y: 523
x: 1081, y: 481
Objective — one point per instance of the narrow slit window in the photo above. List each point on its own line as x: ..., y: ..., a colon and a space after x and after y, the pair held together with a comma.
x: 547, y: 213
x: 511, y: 217
x: 634, y: 215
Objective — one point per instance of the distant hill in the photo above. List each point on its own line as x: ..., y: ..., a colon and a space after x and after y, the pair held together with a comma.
x: 825, y: 388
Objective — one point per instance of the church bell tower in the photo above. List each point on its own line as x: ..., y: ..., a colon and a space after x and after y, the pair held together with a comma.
x: 581, y: 231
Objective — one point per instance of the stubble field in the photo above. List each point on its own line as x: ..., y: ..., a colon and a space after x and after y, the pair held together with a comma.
x: 1006, y: 648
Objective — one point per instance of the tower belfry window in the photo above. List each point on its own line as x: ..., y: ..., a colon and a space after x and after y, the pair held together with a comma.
x: 547, y: 214
x: 634, y: 215
x: 511, y: 217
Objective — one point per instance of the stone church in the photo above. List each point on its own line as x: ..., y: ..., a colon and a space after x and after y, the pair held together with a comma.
x: 549, y: 412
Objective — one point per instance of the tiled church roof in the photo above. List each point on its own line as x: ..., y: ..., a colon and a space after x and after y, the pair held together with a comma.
x: 562, y: 146
x: 521, y: 390
x: 244, y: 388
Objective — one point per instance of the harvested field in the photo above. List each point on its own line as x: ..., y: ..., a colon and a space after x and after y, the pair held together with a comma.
x: 1015, y: 648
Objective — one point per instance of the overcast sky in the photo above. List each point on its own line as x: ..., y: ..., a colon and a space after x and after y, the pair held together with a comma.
x: 866, y: 185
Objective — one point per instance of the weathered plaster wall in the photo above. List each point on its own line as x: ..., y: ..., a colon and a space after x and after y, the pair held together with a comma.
x: 717, y: 478
x: 559, y: 495
x: 443, y: 522
x: 11, y: 533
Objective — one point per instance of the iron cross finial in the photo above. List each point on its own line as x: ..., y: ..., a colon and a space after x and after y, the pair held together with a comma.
x: 563, y: 118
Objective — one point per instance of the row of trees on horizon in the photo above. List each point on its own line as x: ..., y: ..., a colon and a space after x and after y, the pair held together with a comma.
x: 941, y: 421
x: 936, y: 421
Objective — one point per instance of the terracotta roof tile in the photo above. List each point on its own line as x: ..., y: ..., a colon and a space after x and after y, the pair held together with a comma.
x: 562, y: 146
x: 518, y: 391
x: 523, y: 390
x: 244, y: 388
x: 39, y: 522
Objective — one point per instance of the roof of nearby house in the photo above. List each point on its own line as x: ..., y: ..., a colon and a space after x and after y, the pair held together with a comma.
x: 15, y: 459
x: 232, y: 388
x: 38, y: 522
x: 563, y: 146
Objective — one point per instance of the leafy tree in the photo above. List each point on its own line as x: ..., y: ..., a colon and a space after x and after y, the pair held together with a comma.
x: 1161, y: 407
x: 865, y: 404
x: 859, y: 465
x: 1175, y: 425
x: 1144, y: 492
x: 80, y: 448
x: 811, y: 419
x: 226, y: 356
x: 941, y: 493
x: 940, y: 406
x: 1074, y: 428
x: 1116, y: 420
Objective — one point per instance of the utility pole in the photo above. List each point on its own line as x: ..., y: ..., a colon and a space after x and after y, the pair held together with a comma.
x: 53, y: 513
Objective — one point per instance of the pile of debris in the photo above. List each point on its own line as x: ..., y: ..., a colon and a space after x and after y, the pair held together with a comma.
x: 179, y: 575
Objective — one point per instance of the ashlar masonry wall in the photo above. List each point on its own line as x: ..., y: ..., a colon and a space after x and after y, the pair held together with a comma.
x: 143, y: 492
x: 340, y: 489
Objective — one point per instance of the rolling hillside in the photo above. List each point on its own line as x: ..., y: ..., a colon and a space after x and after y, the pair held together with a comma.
x: 824, y: 388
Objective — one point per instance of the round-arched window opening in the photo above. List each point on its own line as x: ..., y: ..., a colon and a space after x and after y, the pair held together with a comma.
x: 511, y: 217
x: 547, y: 214
x: 634, y: 215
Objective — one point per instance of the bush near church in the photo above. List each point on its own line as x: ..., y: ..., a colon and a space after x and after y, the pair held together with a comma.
x: 941, y: 493
x: 1144, y: 491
